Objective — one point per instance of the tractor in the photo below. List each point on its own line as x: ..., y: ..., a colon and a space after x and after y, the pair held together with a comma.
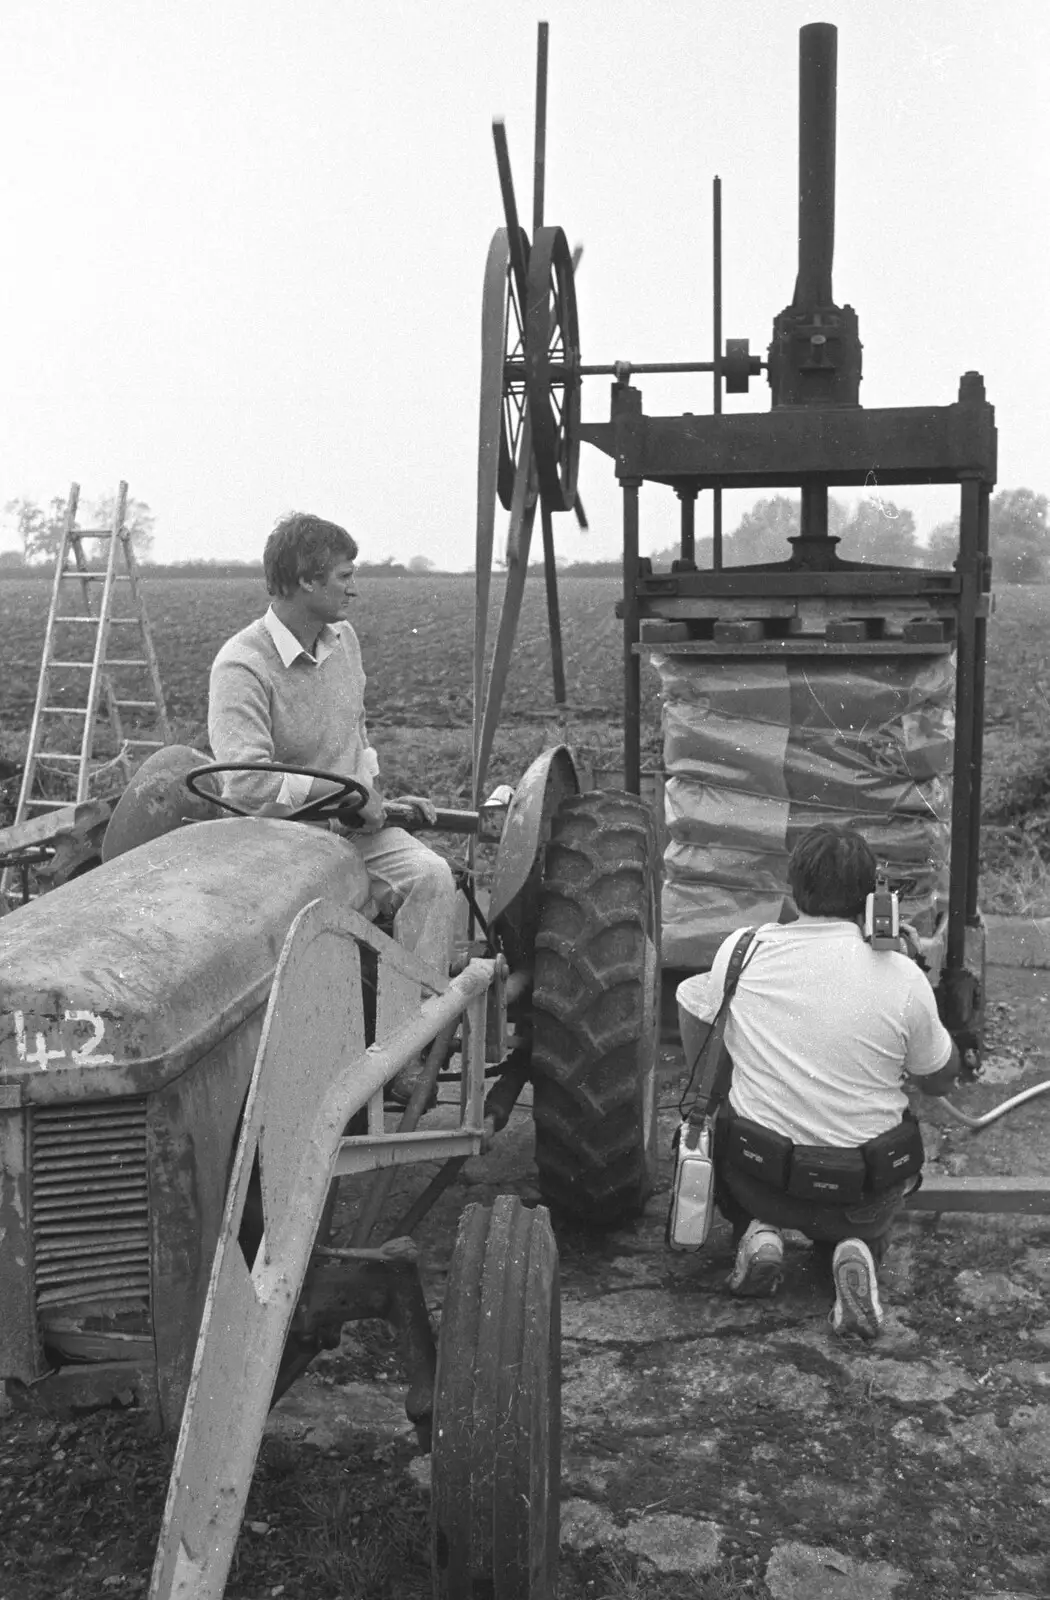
x: 195, y: 1040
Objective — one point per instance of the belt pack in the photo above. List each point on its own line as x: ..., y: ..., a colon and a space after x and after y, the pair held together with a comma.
x: 831, y: 1174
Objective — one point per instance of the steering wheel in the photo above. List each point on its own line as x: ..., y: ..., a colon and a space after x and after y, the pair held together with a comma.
x: 351, y: 796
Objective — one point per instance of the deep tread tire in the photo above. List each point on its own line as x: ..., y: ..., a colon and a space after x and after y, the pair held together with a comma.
x: 596, y: 1010
x: 496, y: 1464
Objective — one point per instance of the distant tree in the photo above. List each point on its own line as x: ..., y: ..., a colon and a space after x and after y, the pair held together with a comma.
x: 1019, y: 536
x: 40, y: 530
x: 881, y: 532
x: 942, y: 546
x: 420, y: 564
x: 138, y: 519
x: 11, y: 561
x: 35, y: 528
x: 762, y: 533
x: 661, y: 559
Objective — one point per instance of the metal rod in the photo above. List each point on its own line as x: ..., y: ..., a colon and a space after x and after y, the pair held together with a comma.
x: 632, y: 666
x: 413, y: 1112
x: 446, y: 820
x: 716, y: 368
x: 968, y: 568
x: 539, y: 169
x: 499, y: 1103
x: 442, y: 1180
x: 814, y: 511
x: 688, y: 545
x: 817, y: 70
x: 515, y: 370
x: 510, y: 212
x: 550, y: 573
x: 977, y: 761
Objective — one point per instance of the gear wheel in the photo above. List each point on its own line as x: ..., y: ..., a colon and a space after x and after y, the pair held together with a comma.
x: 595, y: 1010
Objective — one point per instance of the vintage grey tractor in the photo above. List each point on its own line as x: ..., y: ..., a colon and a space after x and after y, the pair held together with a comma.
x: 195, y: 1039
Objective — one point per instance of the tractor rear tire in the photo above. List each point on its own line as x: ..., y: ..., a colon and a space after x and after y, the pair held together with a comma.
x: 496, y: 1462
x: 596, y: 1010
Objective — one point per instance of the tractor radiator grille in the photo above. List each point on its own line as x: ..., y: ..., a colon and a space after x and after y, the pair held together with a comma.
x: 90, y: 1203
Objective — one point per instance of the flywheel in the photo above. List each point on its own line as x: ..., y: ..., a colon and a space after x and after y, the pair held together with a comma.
x: 552, y: 367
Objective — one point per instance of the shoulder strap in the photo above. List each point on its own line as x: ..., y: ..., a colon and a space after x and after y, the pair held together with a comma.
x: 718, y: 1067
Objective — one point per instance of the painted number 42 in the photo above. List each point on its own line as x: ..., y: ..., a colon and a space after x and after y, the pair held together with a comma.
x: 40, y: 1056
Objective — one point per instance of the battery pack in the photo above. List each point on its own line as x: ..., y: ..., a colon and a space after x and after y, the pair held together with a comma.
x: 693, y: 1190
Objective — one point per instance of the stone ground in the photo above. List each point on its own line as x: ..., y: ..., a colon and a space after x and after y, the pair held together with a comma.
x: 723, y: 1447
x: 712, y: 1449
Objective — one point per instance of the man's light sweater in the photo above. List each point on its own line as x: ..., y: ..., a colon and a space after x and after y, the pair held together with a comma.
x: 268, y: 700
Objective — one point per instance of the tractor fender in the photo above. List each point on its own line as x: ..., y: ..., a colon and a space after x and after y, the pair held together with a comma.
x: 157, y: 800
x: 513, y: 902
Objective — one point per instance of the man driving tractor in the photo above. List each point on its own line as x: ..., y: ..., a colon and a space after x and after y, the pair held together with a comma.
x: 289, y: 688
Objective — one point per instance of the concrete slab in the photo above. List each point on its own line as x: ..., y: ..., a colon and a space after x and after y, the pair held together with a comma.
x: 1017, y: 941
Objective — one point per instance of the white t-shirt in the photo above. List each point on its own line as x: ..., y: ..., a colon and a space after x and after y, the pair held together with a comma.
x: 821, y: 1030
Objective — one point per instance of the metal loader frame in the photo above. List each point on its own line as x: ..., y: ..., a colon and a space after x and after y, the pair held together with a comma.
x: 312, y: 1075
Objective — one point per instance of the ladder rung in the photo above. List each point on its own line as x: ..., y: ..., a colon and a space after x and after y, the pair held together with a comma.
x: 145, y: 744
x: 56, y: 755
x: 91, y: 533
x: 76, y: 619
x: 83, y: 665
x: 112, y: 663
x: 113, y: 621
x: 135, y: 705
x: 63, y: 711
x: 51, y: 805
x: 93, y: 577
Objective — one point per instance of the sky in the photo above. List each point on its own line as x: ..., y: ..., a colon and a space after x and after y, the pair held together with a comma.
x: 245, y: 239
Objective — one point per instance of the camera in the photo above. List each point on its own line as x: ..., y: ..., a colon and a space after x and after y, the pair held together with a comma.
x: 882, y: 923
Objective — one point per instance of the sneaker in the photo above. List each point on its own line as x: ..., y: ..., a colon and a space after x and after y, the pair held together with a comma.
x: 759, y: 1262
x: 857, y: 1308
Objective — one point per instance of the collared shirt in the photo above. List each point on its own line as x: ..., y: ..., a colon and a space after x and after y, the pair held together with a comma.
x: 270, y: 701
x: 821, y: 1030
x: 288, y: 646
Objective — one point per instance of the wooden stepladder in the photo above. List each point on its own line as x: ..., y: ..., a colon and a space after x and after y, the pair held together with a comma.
x: 79, y: 671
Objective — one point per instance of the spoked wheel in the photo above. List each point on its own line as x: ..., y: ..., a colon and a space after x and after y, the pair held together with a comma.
x: 596, y: 1010
x: 496, y: 1462
x: 552, y: 367
x: 503, y: 357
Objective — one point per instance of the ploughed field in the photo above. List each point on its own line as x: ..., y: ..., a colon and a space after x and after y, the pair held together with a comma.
x: 417, y: 639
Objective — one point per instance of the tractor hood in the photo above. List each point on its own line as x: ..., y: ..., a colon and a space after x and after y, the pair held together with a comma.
x: 113, y: 983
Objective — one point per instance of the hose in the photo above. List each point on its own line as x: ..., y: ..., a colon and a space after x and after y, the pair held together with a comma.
x: 997, y: 1111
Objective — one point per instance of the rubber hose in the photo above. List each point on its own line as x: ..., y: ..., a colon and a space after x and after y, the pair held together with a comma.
x: 997, y: 1111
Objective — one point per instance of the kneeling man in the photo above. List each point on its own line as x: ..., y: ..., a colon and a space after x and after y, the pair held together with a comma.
x: 823, y: 1033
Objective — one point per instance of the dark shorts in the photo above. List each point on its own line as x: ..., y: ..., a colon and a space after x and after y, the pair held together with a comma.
x: 742, y: 1198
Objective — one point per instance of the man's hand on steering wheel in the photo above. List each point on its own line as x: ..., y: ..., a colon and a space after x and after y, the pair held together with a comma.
x: 368, y: 817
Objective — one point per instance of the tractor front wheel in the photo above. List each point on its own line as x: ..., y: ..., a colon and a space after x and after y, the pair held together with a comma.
x: 496, y: 1463
x: 595, y: 1010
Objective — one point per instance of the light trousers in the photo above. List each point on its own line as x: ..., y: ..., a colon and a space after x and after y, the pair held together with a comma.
x: 416, y: 883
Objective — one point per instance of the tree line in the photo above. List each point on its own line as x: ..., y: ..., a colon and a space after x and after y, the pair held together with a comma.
x: 884, y: 533
x: 872, y: 530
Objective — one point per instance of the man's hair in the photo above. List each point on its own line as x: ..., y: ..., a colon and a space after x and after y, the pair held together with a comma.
x: 831, y: 872
x: 306, y: 547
